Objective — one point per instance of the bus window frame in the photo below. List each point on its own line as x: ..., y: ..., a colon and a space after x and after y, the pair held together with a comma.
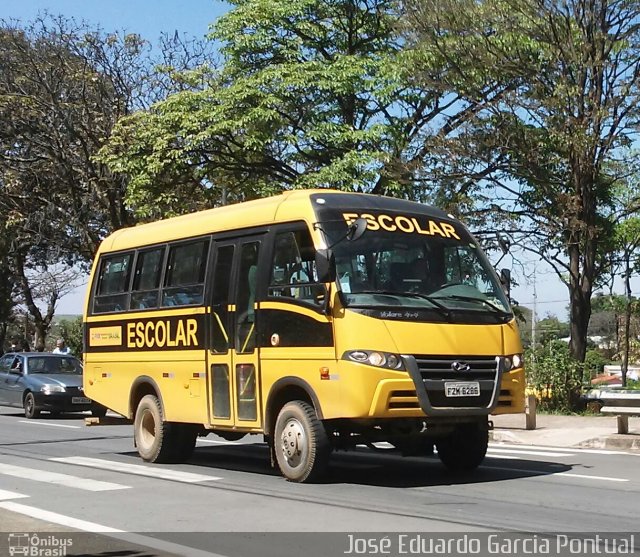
x: 163, y: 285
x: 134, y: 257
x: 265, y: 280
x: 163, y: 263
x: 97, y: 282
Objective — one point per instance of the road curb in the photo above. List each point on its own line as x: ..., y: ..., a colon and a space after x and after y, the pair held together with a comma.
x: 614, y: 442
x: 610, y: 442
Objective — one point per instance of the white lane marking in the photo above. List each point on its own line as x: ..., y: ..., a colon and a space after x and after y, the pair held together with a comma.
x: 560, y: 449
x: 152, y: 471
x: 514, y: 450
x: 86, y: 526
x: 503, y: 456
x: 603, y: 478
x: 219, y: 442
x: 31, y: 422
x: 59, y: 479
x: 56, y: 518
x: 538, y: 473
x: 4, y: 495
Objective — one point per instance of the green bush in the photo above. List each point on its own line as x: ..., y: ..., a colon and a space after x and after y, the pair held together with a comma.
x: 71, y: 332
x: 554, y: 377
x: 633, y: 384
x: 594, y: 363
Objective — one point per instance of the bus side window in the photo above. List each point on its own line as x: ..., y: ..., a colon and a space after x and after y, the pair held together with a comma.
x: 146, y: 279
x: 246, y: 298
x: 294, y: 265
x: 113, y: 284
x: 184, y: 280
x: 221, y: 289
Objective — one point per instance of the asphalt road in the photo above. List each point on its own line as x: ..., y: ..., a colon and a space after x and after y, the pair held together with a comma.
x: 57, y: 476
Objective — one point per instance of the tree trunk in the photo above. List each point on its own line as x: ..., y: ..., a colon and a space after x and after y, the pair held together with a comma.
x: 627, y: 323
x: 3, y: 336
x: 579, y: 308
x: 41, y: 324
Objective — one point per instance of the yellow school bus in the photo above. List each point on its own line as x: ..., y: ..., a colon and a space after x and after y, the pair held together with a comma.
x: 320, y: 319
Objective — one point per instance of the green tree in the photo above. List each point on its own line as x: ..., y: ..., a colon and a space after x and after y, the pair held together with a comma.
x: 569, y: 105
x: 555, y: 376
x: 551, y: 329
x: 627, y: 241
x: 310, y: 94
x: 71, y: 330
x: 63, y: 85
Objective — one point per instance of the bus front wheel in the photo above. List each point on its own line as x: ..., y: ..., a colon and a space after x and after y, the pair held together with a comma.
x: 465, y: 448
x: 301, y: 444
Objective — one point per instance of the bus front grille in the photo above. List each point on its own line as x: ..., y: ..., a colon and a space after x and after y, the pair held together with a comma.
x: 433, y: 374
x: 460, y: 368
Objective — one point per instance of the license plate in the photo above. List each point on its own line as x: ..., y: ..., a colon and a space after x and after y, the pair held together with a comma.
x: 468, y: 388
x: 80, y: 400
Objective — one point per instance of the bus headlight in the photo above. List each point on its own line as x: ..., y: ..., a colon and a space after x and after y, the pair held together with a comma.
x: 512, y: 362
x: 374, y: 358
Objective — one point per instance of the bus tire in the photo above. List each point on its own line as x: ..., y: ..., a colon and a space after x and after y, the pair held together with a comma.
x: 153, y: 436
x: 300, y: 442
x: 184, y: 442
x: 465, y: 448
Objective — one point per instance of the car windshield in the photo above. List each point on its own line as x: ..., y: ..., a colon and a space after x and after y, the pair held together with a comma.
x: 439, y: 271
x: 54, y: 365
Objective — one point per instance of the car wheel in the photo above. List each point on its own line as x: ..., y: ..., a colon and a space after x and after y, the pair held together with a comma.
x: 30, y: 410
x: 301, y: 443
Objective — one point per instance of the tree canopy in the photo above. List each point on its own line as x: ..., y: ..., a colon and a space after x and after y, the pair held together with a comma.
x: 558, y: 136
x: 517, y: 115
x: 309, y: 94
x: 63, y: 86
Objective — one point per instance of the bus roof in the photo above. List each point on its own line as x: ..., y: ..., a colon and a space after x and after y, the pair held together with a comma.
x: 288, y: 206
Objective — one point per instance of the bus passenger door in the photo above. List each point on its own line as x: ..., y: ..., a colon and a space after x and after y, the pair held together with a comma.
x: 246, y: 364
x: 233, y: 354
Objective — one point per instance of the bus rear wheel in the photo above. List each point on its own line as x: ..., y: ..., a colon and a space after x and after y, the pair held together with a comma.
x: 301, y: 444
x: 464, y: 449
x: 184, y: 442
x: 152, y: 435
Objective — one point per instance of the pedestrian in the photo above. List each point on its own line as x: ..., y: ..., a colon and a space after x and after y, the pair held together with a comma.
x: 61, y: 347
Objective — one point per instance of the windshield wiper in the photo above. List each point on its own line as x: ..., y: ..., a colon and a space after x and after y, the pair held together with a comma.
x: 483, y: 301
x: 444, y: 309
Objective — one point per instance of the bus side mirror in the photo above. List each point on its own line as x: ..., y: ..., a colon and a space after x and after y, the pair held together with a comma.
x: 505, y: 280
x: 356, y: 229
x: 325, y: 265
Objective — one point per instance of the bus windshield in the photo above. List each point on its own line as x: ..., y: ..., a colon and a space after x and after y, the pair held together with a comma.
x: 385, y: 268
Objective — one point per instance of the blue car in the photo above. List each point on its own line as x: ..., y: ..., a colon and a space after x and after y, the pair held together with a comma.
x: 38, y: 381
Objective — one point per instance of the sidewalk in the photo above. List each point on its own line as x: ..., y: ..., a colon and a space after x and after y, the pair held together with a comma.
x: 597, y: 432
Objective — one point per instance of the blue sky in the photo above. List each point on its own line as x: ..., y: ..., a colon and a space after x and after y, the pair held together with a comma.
x: 150, y: 18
